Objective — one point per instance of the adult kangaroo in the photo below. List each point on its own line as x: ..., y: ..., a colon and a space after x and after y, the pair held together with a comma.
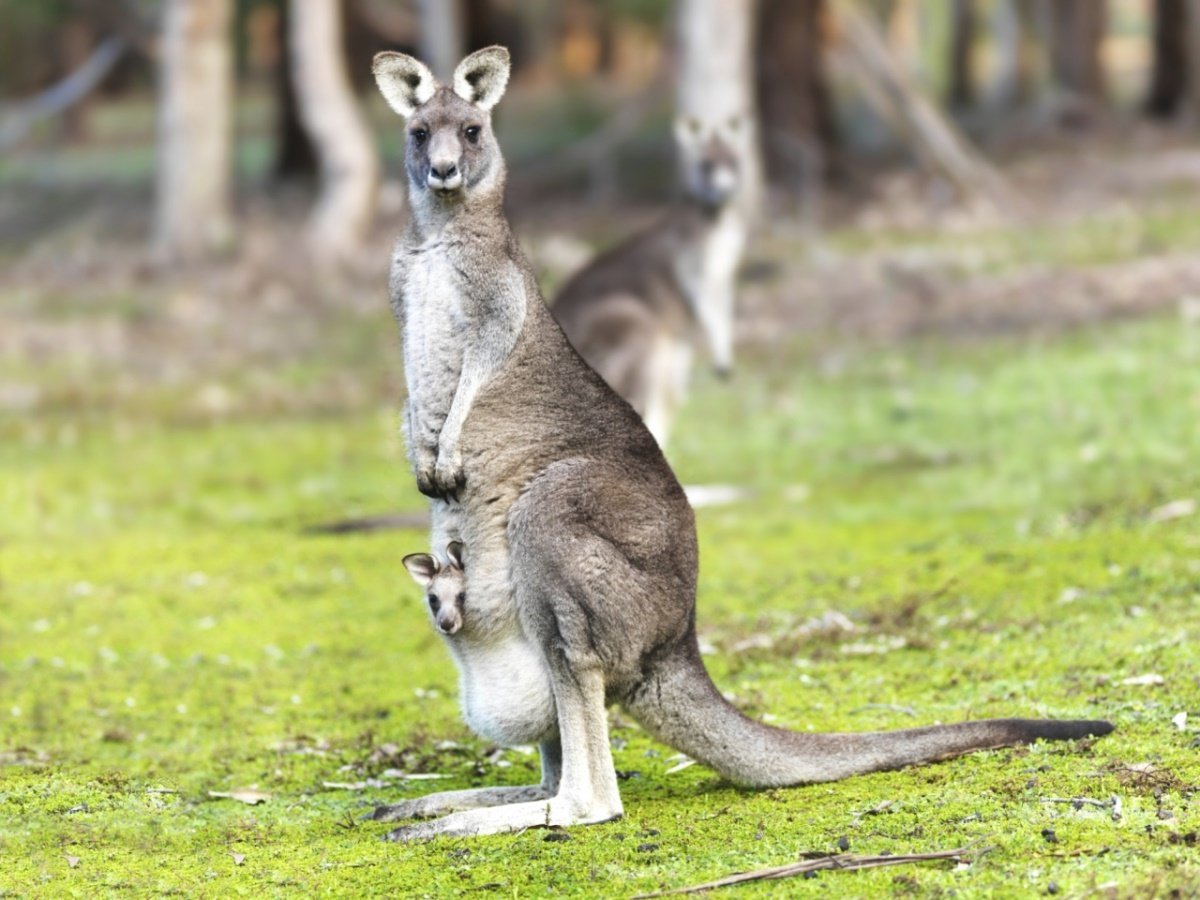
x: 578, y: 538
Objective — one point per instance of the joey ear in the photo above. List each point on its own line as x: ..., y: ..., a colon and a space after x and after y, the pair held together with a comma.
x: 454, y: 550
x: 422, y: 567
x: 482, y: 77
x: 405, y: 82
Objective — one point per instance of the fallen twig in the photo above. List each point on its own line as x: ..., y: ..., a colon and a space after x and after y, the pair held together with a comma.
x: 840, y: 861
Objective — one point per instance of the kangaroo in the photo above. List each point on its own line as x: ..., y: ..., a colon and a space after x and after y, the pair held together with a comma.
x: 578, y: 539
x: 503, y: 686
x: 636, y: 312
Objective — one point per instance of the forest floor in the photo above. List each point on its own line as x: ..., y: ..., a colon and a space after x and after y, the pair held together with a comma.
x: 952, y: 515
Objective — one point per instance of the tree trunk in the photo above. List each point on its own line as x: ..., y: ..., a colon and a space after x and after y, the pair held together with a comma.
x: 1169, y: 76
x: 441, y: 36
x: 960, y: 93
x: 1192, y: 21
x: 295, y: 156
x: 330, y: 113
x: 194, y: 129
x: 715, y: 78
x: 799, y: 136
x: 75, y: 43
x: 1015, y: 28
x: 1077, y: 29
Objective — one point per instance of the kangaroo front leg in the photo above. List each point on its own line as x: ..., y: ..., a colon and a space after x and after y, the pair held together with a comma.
x: 587, y: 792
x: 421, y: 436
x: 482, y: 356
x: 478, y: 798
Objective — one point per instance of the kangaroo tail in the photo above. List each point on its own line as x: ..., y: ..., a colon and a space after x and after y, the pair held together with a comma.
x: 678, y: 704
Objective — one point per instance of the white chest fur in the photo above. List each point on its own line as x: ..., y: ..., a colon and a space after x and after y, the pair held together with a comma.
x: 505, y: 691
x: 722, y: 253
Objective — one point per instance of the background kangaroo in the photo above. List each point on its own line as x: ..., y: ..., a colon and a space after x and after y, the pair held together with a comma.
x: 578, y: 537
x: 636, y: 312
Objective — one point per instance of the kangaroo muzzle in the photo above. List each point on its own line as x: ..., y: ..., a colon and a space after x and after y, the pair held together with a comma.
x: 448, y: 621
x: 445, y: 158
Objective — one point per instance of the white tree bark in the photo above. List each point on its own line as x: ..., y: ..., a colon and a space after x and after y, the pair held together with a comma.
x: 330, y: 113
x: 715, y: 78
x: 192, y: 202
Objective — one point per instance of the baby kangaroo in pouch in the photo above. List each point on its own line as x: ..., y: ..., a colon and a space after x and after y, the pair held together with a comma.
x: 578, y: 547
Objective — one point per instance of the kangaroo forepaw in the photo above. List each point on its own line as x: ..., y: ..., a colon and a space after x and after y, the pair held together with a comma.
x: 449, y: 480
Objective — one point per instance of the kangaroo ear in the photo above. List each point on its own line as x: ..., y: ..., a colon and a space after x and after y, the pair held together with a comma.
x: 422, y: 567
x: 405, y: 82
x: 454, y: 550
x: 482, y: 77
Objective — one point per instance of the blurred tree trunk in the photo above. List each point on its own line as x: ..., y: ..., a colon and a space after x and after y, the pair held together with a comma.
x: 715, y: 78
x: 329, y: 110
x: 960, y: 93
x: 295, y: 156
x: 1016, y: 28
x: 1169, y: 76
x: 192, y: 215
x: 1077, y: 29
x: 487, y: 22
x: 799, y: 137
x: 441, y: 36
x: 76, y: 43
x: 1193, y: 50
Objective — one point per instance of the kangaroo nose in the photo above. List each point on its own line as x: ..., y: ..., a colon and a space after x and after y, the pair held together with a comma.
x: 444, y: 170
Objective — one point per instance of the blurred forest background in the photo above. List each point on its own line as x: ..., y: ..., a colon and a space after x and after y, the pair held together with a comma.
x: 206, y: 181
x: 960, y: 443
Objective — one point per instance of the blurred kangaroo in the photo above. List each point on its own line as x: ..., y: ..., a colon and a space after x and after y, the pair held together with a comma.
x: 580, y: 543
x: 636, y: 312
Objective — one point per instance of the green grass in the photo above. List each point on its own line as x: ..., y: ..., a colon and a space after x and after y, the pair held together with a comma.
x: 1163, y: 226
x: 981, y: 512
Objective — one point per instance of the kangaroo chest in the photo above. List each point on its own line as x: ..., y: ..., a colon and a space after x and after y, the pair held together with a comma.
x: 708, y: 262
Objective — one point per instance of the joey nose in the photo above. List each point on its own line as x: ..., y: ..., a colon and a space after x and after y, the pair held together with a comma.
x: 444, y: 170
x: 449, y: 622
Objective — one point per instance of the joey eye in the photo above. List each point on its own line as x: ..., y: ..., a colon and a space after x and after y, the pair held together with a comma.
x: 472, y: 134
x: 434, y: 603
x: 419, y: 135
x: 461, y: 598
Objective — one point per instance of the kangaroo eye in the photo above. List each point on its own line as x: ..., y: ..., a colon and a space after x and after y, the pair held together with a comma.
x: 419, y: 135
x: 461, y: 598
x: 472, y: 134
x: 434, y: 603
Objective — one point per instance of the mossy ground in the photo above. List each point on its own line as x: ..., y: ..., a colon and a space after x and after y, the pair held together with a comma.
x: 983, y: 514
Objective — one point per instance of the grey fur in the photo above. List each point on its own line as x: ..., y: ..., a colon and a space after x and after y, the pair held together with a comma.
x: 580, y: 546
x: 636, y: 312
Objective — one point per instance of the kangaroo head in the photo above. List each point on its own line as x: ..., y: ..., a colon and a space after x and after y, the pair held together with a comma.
x: 708, y: 159
x: 451, y: 152
x: 445, y: 586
